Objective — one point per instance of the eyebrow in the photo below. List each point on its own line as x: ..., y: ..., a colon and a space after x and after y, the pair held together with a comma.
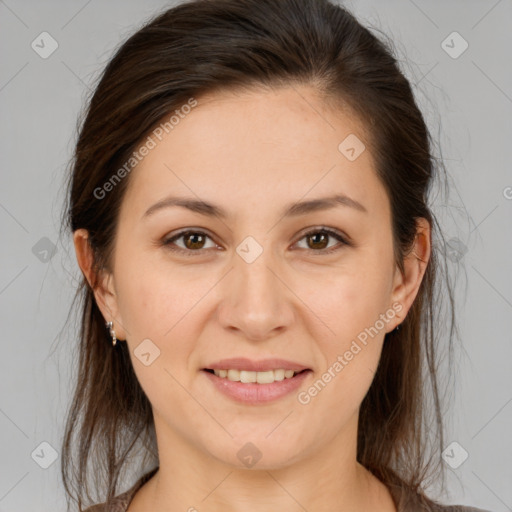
x: 292, y: 210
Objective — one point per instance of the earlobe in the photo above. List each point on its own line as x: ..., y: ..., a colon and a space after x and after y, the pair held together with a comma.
x: 101, y: 282
x: 407, y: 284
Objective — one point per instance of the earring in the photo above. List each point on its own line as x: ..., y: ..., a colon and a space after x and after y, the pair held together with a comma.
x: 110, y: 327
x: 397, y: 328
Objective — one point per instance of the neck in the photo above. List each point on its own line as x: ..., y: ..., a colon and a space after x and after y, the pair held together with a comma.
x: 327, y: 479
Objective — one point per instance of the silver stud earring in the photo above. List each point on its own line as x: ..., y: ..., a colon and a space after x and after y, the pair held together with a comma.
x: 110, y: 327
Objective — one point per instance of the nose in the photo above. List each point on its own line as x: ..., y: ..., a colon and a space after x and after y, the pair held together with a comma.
x: 257, y: 303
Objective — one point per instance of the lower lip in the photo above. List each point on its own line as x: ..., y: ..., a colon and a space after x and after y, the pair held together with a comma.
x: 254, y: 393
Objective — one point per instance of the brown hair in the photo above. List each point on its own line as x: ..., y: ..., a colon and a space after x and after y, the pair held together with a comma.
x: 201, y: 46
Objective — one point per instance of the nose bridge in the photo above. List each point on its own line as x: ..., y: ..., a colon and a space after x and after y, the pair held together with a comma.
x: 256, y: 303
x: 254, y: 280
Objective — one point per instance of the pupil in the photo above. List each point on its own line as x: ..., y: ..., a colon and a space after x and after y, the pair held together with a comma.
x: 320, y: 235
x: 193, y: 235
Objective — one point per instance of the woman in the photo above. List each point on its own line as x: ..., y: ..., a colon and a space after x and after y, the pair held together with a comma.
x: 248, y: 202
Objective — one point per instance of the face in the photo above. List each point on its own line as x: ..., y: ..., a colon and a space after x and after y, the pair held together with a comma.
x: 315, y: 287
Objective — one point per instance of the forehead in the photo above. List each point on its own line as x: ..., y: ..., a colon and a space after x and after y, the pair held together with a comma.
x: 257, y: 148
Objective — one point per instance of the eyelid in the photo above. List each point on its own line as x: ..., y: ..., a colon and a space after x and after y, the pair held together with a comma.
x: 342, y: 238
x: 168, y: 240
x: 325, y: 229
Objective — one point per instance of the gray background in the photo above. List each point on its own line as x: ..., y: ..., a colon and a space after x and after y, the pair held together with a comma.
x: 468, y: 103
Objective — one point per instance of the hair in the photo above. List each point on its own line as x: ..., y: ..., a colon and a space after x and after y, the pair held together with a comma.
x: 200, y: 47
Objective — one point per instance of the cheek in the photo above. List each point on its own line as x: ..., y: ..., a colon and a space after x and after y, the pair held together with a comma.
x: 153, y: 296
x: 354, y: 305
x: 159, y: 307
x: 350, y: 356
x: 163, y: 305
x: 352, y: 299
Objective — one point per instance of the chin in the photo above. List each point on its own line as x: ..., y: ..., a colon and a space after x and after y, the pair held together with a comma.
x: 256, y: 452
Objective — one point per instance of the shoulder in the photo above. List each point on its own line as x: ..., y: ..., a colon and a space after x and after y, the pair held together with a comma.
x: 457, y: 508
x: 121, y: 501
x: 119, y: 504
x: 409, y: 500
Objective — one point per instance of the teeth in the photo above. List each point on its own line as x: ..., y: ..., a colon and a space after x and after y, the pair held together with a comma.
x: 246, y: 376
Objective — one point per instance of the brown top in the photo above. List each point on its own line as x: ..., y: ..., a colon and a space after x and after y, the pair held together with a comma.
x: 405, y: 501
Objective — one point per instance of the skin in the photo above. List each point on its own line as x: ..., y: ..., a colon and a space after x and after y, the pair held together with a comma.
x: 253, y: 153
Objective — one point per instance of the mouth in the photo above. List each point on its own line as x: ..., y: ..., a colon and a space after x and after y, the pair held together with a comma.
x: 253, y: 388
x: 255, y: 377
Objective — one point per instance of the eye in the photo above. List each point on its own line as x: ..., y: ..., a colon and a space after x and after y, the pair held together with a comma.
x: 194, y: 241
x: 317, y: 240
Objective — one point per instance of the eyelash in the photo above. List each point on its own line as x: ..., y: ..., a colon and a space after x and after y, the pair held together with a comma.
x: 189, y: 252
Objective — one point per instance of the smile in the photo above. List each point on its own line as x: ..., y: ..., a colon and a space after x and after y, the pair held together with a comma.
x: 247, y: 376
x: 253, y: 388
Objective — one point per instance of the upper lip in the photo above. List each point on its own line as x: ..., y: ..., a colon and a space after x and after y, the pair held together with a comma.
x: 242, y: 363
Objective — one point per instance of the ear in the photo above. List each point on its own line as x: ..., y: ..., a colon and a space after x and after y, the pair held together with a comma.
x: 101, y: 282
x: 406, y: 285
